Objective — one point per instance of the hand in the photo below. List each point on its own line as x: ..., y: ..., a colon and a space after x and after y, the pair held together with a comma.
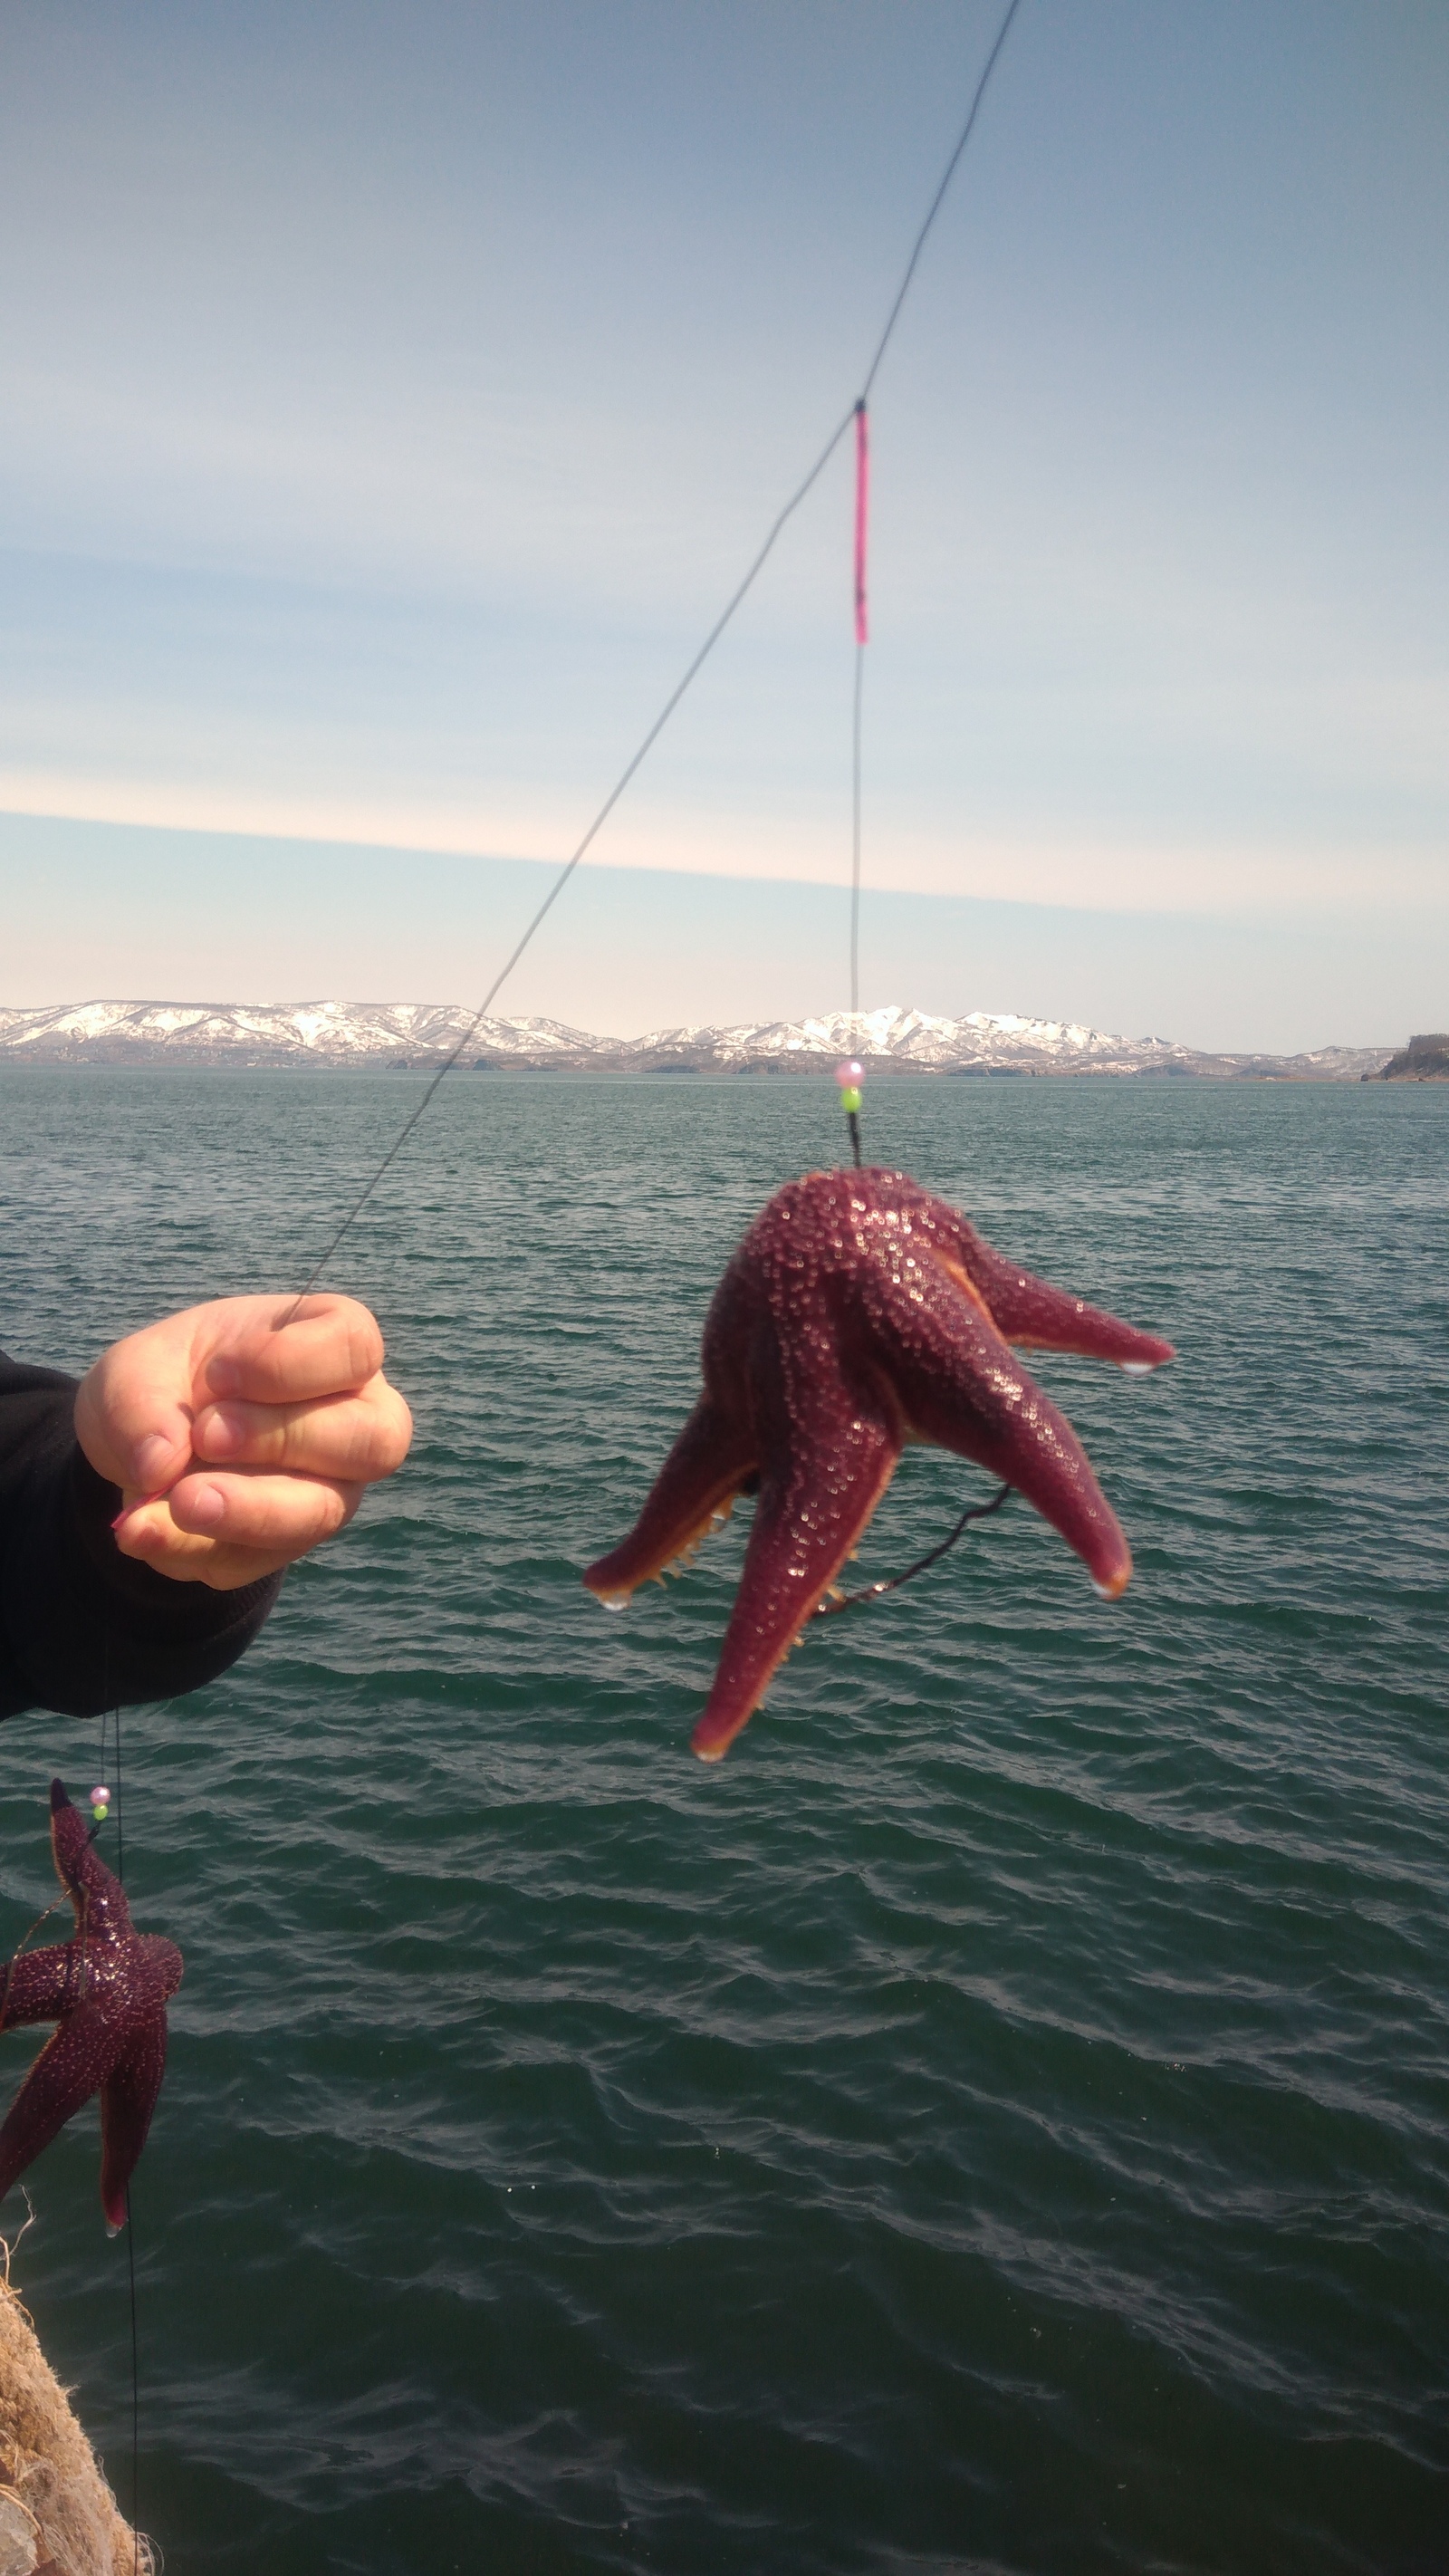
x: 241, y: 1435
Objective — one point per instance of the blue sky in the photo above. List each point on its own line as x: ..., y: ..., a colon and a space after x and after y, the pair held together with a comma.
x: 392, y: 396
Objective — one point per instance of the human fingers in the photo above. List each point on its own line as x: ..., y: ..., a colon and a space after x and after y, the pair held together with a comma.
x: 280, y: 1517
x: 292, y: 1351
x: 133, y: 1408
x: 147, y: 1531
x: 357, y: 1438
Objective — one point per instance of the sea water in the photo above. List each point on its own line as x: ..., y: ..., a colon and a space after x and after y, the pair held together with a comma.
x: 994, y: 2121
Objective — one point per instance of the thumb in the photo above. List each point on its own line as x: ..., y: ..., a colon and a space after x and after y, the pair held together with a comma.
x: 133, y: 1411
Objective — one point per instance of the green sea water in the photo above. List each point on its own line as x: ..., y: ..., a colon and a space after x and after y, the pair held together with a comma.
x: 995, y: 2121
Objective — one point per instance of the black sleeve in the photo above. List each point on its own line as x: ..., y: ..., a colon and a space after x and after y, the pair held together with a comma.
x: 83, y: 1628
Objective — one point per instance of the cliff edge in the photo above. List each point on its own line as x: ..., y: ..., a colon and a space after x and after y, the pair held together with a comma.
x: 1424, y: 1059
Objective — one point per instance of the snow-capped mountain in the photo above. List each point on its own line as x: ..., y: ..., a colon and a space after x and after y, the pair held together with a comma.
x: 392, y: 1034
x: 267, y: 1033
x: 916, y: 1039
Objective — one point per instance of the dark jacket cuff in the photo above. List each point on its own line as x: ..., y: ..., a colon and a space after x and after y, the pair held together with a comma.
x: 89, y: 1629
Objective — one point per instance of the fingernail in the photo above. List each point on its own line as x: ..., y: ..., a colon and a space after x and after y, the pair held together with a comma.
x: 205, y: 1506
x: 223, y: 1377
x: 155, y: 1458
x: 222, y: 1432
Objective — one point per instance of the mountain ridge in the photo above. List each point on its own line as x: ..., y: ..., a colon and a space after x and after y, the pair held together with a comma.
x: 395, y: 1035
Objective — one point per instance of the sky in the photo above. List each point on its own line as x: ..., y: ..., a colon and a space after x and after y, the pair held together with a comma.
x: 392, y: 396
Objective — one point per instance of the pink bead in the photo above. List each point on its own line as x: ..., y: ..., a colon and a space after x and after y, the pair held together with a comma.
x: 849, y: 1073
x: 100, y: 1797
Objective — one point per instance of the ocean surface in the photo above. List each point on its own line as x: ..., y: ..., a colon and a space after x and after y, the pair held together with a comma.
x: 997, y: 2119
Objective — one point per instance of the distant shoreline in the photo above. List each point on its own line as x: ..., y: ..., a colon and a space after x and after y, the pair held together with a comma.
x: 425, y: 1036
x: 820, y: 1070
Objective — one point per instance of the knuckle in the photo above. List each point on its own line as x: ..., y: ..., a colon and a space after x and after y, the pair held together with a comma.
x: 328, y: 1511
x: 321, y: 1509
x: 364, y: 1350
x: 394, y: 1436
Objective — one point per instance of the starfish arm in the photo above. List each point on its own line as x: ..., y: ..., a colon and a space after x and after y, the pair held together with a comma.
x: 1030, y: 1312
x: 830, y: 1452
x: 711, y: 1459
x: 71, y: 1846
x: 70, y: 2068
x: 37, y: 1985
x: 98, y: 1898
x: 165, y: 1960
x: 128, y: 2098
x: 962, y: 1387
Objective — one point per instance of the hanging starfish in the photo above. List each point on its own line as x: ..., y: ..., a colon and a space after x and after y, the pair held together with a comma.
x: 107, y: 1989
x: 857, y: 1314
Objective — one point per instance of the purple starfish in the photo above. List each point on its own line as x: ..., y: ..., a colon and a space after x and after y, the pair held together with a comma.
x: 859, y: 1313
x: 107, y: 1989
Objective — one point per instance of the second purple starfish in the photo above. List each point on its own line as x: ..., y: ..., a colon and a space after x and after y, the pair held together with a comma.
x: 107, y: 1989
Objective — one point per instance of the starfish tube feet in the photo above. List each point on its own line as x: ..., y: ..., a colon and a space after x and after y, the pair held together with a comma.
x: 830, y: 1452
x: 696, y: 1485
x: 857, y: 1313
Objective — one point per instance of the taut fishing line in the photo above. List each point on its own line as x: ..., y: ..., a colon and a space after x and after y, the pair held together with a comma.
x: 868, y: 1592
x: 130, y: 2220
x: 112, y: 1718
x: 856, y: 414
x: 862, y: 638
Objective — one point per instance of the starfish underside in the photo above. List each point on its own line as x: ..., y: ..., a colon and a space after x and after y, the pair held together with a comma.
x: 107, y: 1990
x: 859, y: 1313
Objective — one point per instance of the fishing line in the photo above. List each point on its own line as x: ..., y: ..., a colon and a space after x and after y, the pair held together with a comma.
x: 602, y: 816
x: 862, y: 638
x: 855, y: 837
x: 862, y: 488
x: 17, y: 1954
x: 802, y: 490
x: 120, y: 1809
x: 862, y: 454
x: 937, y: 202
x: 130, y: 2223
x: 112, y: 1717
x: 849, y: 1075
x: 892, y: 1583
x: 135, y: 2397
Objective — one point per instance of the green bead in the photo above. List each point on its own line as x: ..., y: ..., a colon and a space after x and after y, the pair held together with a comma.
x: 850, y: 1102
x: 100, y: 1814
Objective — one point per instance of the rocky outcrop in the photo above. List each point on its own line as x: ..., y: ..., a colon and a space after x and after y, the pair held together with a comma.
x: 1424, y: 1059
